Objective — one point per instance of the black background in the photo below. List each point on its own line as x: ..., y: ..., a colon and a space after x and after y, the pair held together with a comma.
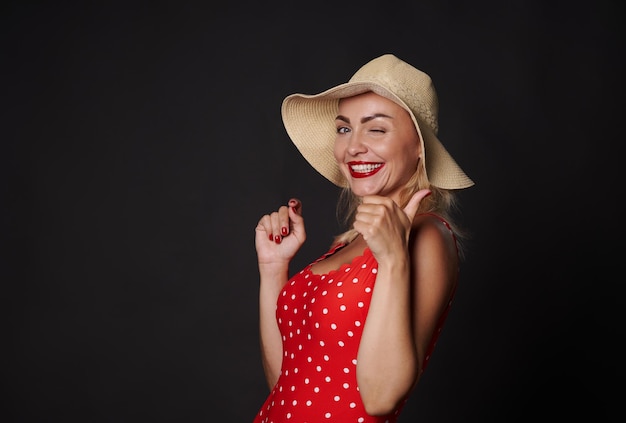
x: 143, y: 140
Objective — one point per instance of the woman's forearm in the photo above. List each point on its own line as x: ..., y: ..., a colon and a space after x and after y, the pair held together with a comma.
x: 387, y: 364
x: 272, y: 280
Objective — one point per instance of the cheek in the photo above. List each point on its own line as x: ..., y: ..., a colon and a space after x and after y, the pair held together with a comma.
x: 338, y: 150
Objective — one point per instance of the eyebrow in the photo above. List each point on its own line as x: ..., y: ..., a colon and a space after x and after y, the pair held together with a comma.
x: 366, y: 118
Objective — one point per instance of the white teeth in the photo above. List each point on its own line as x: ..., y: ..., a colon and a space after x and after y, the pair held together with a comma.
x: 364, y: 168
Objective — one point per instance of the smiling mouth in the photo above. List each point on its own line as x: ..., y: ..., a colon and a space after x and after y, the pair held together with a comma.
x: 363, y: 170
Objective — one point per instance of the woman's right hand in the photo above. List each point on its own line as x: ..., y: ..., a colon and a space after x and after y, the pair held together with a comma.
x: 280, y: 235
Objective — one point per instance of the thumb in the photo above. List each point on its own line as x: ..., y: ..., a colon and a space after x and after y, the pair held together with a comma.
x: 296, y: 206
x: 295, y: 212
x: 411, y: 208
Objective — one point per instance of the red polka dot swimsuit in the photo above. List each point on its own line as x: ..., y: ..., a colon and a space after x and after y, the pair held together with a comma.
x: 321, y: 320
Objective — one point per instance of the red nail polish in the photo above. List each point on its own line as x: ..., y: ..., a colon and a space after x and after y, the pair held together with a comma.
x: 277, y: 239
x: 284, y: 230
x: 271, y: 237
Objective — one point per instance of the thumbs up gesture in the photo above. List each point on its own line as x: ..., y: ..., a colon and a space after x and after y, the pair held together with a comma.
x: 385, y: 226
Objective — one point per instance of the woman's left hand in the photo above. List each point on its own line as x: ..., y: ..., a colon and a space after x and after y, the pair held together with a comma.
x: 385, y: 227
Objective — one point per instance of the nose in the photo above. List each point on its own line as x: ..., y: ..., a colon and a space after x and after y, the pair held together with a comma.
x: 356, y: 145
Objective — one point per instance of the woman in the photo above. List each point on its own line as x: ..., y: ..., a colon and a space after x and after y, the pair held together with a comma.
x: 347, y: 338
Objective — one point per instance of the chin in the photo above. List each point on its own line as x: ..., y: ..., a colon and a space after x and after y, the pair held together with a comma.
x: 360, y: 190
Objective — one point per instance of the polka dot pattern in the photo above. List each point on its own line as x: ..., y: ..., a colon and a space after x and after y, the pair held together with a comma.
x: 318, y: 376
x: 321, y: 320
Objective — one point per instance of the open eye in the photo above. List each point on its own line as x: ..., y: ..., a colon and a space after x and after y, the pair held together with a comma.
x: 343, y: 129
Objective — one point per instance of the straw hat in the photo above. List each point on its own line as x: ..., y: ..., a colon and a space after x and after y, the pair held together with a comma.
x: 310, y: 119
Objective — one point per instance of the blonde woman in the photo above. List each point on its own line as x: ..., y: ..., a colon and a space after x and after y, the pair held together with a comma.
x: 347, y: 338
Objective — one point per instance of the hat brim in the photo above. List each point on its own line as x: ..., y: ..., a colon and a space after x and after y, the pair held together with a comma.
x: 310, y: 123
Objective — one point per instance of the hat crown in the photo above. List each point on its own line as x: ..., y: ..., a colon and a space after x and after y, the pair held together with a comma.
x: 414, y: 87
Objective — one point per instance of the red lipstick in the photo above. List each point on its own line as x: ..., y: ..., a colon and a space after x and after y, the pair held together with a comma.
x: 364, y: 169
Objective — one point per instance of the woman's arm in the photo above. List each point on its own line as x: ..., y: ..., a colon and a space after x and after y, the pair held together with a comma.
x: 278, y: 236
x: 272, y: 279
x: 413, y: 286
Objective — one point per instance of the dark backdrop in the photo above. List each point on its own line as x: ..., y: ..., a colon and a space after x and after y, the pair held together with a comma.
x: 141, y: 142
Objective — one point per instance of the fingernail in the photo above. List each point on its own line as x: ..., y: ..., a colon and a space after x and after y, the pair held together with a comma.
x: 271, y: 237
x: 284, y: 230
x: 277, y: 239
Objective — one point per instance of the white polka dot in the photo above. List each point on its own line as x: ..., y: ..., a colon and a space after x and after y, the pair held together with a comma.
x: 357, y: 323
x: 342, y: 308
x: 341, y: 343
x: 316, y: 389
x: 325, y: 310
x: 326, y: 358
x: 327, y: 378
x: 309, y: 402
x: 352, y: 405
x: 333, y: 326
x: 340, y: 295
x: 355, y: 280
x: 324, y: 292
x: 345, y: 370
x: 368, y: 289
x: 306, y: 380
x: 346, y: 385
x: 336, y: 398
x: 318, y: 368
x: 360, y: 304
x: 327, y: 415
x: 288, y: 415
x: 350, y: 333
x: 295, y: 402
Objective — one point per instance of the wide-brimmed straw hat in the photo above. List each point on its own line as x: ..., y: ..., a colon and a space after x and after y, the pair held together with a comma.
x: 310, y: 119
